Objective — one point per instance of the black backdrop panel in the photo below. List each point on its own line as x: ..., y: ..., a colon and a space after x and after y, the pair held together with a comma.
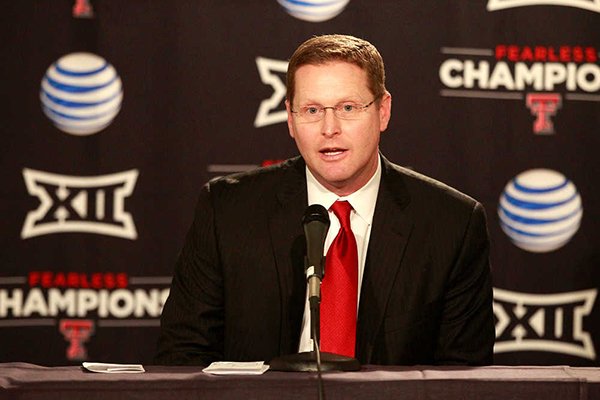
x: 483, y: 92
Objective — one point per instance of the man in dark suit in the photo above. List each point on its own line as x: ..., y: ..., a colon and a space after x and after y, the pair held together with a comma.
x: 422, y: 292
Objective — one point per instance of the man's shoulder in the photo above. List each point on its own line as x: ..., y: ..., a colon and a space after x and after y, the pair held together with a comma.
x: 424, y: 188
x: 259, y: 178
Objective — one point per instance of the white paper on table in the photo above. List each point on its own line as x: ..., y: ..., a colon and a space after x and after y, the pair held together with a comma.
x: 114, y: 368
x: 236, y: 368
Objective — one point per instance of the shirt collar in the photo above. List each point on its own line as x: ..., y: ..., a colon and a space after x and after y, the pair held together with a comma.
x: 362, y: 201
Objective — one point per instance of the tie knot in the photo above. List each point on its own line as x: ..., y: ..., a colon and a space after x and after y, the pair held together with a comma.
x: 342, y: 209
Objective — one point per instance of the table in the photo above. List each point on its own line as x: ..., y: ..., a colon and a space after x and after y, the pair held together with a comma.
x: 32, y: 382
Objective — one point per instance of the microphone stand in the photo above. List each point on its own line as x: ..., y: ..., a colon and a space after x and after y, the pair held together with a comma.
x: 316, y: 224
x: 315, y: 360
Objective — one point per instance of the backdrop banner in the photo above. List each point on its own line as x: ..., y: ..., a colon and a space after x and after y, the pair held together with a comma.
x: 117, y: 112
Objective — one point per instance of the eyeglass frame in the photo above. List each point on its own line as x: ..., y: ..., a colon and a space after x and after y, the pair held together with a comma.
x: 334, y: 109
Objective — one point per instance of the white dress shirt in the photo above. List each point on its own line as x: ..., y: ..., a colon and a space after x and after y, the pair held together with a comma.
x: 361, y: 218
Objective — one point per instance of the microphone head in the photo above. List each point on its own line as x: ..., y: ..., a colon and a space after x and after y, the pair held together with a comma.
x: 315, y: 212
x: 316, y: 225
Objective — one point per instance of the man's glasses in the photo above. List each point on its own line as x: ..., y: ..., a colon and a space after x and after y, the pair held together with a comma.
x: 346, y: 110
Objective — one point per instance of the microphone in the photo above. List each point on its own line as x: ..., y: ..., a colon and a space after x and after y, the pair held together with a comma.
x: 316, y: 225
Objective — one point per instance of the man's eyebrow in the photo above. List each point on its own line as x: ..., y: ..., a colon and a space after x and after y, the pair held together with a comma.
x: 353, y: 99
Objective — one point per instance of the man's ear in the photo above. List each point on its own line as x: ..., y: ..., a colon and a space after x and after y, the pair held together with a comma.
x: 288, y: 108
x: 385, y: 111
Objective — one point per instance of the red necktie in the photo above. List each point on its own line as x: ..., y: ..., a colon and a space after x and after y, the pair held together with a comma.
x: 340, y: 288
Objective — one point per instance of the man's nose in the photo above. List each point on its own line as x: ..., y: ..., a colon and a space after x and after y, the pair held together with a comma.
x: 330, y: 123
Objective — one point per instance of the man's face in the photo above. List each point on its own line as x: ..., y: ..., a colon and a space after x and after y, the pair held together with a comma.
x: 341, y: 154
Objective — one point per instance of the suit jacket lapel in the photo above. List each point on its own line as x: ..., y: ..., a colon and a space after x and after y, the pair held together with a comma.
x: 287, y: 238
x: 389, y: 234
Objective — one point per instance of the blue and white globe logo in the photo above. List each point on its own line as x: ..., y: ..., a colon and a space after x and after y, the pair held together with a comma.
x: 540, y: 210
x: 81, y: 93
x: 313, y: 10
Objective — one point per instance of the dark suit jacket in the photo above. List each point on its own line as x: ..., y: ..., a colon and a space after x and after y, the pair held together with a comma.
x: 238, y: 290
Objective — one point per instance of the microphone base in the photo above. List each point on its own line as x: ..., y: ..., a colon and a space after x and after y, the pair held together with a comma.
x: 307, y: 362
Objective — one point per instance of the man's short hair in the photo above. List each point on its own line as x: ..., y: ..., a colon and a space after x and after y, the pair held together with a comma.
x: 319, y: 50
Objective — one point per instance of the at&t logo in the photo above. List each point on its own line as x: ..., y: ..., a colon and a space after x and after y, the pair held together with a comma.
x: 81, y: 93
x: 540, y: 210
x: 314, y: 10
